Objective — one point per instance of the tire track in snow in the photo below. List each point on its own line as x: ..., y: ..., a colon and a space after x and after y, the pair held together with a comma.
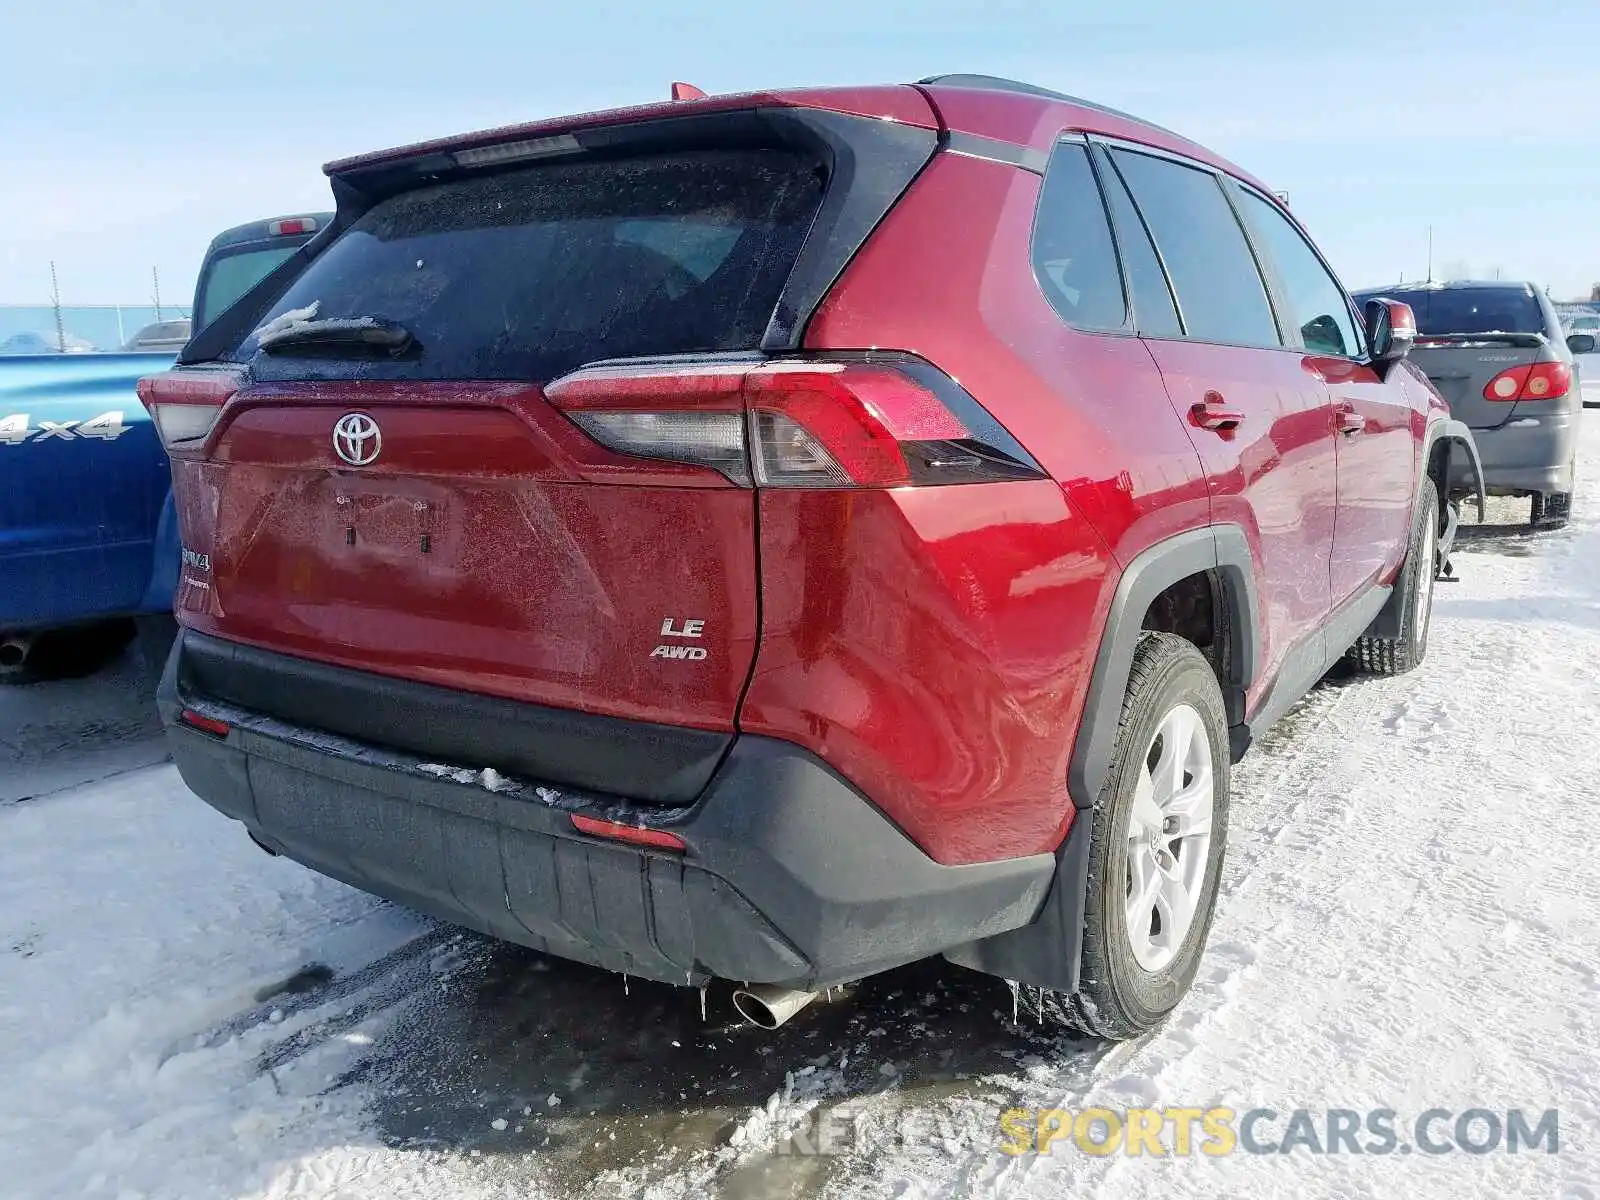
x: 1376, y: 910
x: 1272, y: 788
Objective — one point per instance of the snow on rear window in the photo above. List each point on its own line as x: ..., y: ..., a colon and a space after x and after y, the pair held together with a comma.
x: 530, y: 273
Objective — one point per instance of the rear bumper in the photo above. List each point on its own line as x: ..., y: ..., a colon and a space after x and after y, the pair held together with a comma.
x: 790, y: 876
x: 1524, y: 457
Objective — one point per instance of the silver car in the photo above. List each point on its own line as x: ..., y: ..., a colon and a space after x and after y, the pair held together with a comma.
x: 1496, y: 351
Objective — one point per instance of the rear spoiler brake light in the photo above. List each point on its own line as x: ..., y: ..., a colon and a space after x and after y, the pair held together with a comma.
x: 292, y: 225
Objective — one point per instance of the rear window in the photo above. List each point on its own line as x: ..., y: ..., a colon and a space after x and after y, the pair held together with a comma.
x: 531, y: 273
x: 228, y: 276
x: 1470, y: 310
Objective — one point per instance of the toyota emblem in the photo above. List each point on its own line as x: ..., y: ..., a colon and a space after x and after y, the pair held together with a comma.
x: 356, y: 439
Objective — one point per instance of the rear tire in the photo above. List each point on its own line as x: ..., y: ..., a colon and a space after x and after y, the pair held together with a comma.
x: 1160, y: 825
x: 1396, y: 655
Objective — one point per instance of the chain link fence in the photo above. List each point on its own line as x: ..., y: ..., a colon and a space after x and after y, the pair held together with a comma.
x: 83, y: 328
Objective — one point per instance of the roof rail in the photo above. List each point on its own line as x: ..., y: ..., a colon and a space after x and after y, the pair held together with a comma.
x: 997, y: 83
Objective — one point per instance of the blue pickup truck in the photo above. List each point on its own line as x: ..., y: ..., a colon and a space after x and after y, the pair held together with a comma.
x: 88, y: 541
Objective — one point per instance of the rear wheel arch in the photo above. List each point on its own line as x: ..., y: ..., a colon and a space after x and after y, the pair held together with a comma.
x: 1444, y: 439
x: 1047, y: 953
x: 1218, y: 554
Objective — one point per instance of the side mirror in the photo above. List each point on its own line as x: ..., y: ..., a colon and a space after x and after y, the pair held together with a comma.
x: 1580, y: 343
x: 1391, y: 330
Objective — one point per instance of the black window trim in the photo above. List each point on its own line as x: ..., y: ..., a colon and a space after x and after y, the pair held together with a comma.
x: 1099, y: 154
x: 1268, y: 275
x: 1129, y: 327
x: 1356, y: 317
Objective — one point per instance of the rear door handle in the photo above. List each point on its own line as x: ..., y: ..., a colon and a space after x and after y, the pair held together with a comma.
x: 1213, y: 413
x: 1350, y: 421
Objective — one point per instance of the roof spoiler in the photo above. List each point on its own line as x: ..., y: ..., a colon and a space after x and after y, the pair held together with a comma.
x: 1527, y: 341
x: 870, y: 163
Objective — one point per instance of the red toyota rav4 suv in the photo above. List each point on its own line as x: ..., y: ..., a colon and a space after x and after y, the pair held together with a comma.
x: 778, y: 537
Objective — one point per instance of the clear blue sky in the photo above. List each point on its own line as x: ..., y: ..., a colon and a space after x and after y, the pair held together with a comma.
x: 133, y: 131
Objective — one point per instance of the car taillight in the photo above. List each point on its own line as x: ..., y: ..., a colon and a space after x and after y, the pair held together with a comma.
x: 292, y: 225
x: 184, y: 403
x: 1531, y: 381
x: 840, y: 422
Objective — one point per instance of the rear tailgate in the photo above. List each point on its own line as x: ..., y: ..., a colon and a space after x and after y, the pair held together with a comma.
x: 459, y: 530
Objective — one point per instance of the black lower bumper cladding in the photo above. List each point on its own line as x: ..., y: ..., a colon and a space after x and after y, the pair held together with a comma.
x: 789, y: 875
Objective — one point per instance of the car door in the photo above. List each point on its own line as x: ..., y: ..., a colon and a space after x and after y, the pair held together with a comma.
x: 1259, y: 418
x: 1374, y: 451
x: 85, y: 480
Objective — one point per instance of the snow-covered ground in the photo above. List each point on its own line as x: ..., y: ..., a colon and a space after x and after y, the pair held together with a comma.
x: 1408, y: 922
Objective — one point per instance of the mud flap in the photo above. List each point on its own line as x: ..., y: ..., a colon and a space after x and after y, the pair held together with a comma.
x: 1446, y: 573
x: 1046, y: 952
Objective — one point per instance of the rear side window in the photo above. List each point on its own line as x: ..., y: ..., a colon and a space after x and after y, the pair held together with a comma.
x: 1154, y: 313
x: 1315, y: 297
x: 1218, y: 286
x: 1443, y: 311
x: 1074, y: 257
x: 530, y: 273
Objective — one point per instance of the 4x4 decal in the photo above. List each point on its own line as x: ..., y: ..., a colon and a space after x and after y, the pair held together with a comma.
x: 15, y: 429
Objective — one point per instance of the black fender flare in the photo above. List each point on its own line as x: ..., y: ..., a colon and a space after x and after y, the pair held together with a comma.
x: 1453, y: 434
x: 1046, y: 952
x: 1220, y: 548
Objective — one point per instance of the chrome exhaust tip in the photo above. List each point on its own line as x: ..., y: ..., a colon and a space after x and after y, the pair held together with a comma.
x: 14, y: 651
x: 767, y: 1006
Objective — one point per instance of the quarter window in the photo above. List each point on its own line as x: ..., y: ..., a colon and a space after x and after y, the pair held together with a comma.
x: 1315, y: 298
x: 1074, y: 257
x: 1213, y: 272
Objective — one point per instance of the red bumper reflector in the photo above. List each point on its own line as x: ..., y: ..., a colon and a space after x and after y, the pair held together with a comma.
x: 205, y: 724
x: 618, y: 832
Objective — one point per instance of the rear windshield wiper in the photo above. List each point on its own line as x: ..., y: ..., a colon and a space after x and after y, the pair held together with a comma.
x: 377, y: 333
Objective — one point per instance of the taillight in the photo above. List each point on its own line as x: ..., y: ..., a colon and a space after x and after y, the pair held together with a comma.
x: 184, y: 403
x: 839, y: 422
x: 292, y: 225
x: 1531, y: 381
